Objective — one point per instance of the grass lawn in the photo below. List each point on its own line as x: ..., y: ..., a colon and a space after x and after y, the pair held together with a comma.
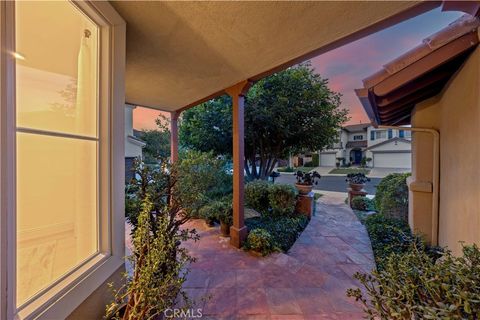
x: 317, y: 196
x: 349, y: 170
x: 287, y: 169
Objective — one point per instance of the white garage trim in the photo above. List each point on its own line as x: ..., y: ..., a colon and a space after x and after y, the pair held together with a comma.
x: 392, y: 159
x: 328, y: 159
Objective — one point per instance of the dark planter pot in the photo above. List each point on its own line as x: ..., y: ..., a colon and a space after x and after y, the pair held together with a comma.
x: 225, y: 229
x: 303, y: 189
x: 357, y: 186
x: 210, y: 222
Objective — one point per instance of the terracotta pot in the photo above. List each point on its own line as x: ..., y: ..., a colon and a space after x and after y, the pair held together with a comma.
x: 225, y: 229
x: 357, y: 186
x: 303, y: 188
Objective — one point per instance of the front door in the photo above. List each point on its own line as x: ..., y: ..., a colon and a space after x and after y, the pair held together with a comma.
x: 358, y: 156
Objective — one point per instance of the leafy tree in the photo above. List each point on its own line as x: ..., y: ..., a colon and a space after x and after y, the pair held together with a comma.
x: 291, y: 111
x: 208, y: 127
x: 157, y: 141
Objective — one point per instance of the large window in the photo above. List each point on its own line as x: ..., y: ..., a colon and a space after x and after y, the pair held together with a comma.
x: 380, y: 134
x: 57, y: 143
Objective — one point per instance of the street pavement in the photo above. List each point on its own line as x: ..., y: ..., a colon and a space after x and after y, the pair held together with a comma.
x: 330, y: 183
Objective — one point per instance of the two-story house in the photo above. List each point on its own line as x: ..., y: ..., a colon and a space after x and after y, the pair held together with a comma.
x: 385, y: 148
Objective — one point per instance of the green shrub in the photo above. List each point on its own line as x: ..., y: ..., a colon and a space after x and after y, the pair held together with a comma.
x: 256, y: 195
x: 286, y: 169
x: 387, y: 236
x: 224, y: 210
x: 315, y: 159
x: 281, y: 198
x: 413, y: 285
x: 260, y: 240
x: 284, y: 230
x: 309, y: 164
x: 391, y: 198
x: 208, y: 213
x: 363, y: 204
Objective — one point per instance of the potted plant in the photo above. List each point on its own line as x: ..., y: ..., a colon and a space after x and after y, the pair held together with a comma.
x: 356, y: 181
x: 340, y: 161
x: 224, y: 215
x: 306, y: 180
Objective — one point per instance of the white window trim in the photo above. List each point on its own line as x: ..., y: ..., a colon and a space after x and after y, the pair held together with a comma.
x: 70, y: 291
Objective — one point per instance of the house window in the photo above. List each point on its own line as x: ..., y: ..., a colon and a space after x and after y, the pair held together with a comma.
x: 57, y: 143
x: 401, y: 134
x: 380, y: 134
x: 358, y: 137
x: 390, y: 133
x: 372, y: 135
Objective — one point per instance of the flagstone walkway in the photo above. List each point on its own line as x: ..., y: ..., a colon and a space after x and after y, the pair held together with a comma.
x: 307, y: 283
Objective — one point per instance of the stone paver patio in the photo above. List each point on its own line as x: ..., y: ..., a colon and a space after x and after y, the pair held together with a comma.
x: 307, y: 283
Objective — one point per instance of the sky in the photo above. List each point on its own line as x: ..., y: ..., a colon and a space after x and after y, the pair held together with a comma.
x: 346, y: 66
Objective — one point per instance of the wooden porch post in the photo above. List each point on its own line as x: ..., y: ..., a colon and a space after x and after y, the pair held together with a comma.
x: 174, y: 136
x: 238, y: 232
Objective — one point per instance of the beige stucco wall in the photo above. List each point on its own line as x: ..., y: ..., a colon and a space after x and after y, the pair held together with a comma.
x: 455, y: 113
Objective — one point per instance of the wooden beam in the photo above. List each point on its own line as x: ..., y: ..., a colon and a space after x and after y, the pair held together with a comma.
x: 174, y: 136
x: 238, y: 232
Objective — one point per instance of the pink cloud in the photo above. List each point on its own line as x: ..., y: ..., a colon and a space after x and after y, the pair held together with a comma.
x: 144, y: 118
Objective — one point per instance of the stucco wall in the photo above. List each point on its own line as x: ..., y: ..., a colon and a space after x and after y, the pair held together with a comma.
x: 456, y: 114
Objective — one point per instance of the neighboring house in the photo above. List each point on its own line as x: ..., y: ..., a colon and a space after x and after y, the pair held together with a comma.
x: 387, y: 148
x: 435, y: 89
x: 133, y: 144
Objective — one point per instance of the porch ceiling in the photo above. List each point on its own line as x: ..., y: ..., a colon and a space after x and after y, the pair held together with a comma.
x: 182, y: 53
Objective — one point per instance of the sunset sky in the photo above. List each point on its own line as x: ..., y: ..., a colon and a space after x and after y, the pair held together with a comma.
x: 345, y: 67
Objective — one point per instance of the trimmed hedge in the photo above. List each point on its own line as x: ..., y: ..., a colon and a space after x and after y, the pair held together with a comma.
x: 281, y: 198
x: 260, y: 240
x: 256, y: 195
x: 363, y: 204
x: 270, y: 199
x: 391, y: 197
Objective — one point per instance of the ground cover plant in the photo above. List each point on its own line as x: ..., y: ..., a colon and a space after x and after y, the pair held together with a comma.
x: 418, y: 285
x: 284, y: 230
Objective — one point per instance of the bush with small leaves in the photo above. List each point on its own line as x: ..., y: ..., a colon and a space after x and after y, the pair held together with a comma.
x: 391, y: 198
x: 260, y: 240
x: 282, y: 199
x: 363, y: 204
x: 256, y: 195
x: 416, y: 285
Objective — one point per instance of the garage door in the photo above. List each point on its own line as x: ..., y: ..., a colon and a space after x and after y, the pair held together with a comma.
x: 392, y: 160
x: 327, y: 160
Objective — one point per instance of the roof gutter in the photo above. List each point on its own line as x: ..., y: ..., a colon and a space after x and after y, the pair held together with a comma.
x: 436, y: 174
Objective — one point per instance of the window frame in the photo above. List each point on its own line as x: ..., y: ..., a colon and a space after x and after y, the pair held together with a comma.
x: 360, y: 136
x: 68, y: 292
